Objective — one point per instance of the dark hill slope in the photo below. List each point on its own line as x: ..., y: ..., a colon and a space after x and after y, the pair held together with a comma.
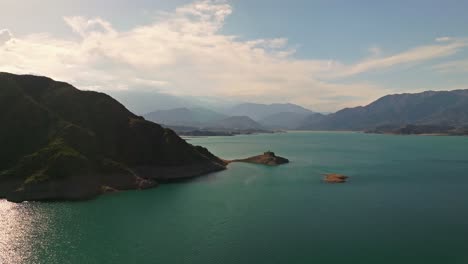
x: 58, y: 142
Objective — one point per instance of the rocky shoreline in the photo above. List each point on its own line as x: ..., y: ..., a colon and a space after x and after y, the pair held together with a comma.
x: 73, y: 188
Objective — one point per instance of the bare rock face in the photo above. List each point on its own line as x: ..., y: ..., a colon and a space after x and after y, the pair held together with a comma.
x: 335, y: 178
x: 268, y: 158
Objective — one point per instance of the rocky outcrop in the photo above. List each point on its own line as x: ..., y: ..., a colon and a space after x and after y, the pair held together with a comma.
x: 335, y: 178
x: 268, y: 158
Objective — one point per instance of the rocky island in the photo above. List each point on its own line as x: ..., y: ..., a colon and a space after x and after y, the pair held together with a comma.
x: 61, y: 143
x: 268, y: 158
x: 335, y: 178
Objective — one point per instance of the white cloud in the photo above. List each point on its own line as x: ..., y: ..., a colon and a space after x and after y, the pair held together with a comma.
x: 444, y: 39
x: 415, y: 55
x: 5, y: 35
x: 183, y: 52
x: 87, y: 27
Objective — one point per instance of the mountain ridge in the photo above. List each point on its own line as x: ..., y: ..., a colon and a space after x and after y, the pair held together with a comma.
x: 184, y: 116
x: 425, y: 108
x: 258, y: 111
x: 236, y: 123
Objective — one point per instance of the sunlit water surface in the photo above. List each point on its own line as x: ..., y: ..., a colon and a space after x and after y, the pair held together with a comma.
x: 406, y: 202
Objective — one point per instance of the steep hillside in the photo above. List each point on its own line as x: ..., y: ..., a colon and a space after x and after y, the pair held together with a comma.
x: 58, y: 142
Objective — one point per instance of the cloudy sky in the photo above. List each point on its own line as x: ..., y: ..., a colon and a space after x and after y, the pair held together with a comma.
x: 324, y: 54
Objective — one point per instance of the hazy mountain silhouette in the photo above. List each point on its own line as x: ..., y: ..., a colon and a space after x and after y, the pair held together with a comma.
x: 194, y: 117
x: 145, y: 101
x: 284, y: 120
x: 260, y: 111
x: 236, y: 123
x: 142, y: 102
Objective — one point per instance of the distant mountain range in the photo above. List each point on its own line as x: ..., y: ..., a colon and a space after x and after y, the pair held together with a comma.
x: 192, y: 117
x: 285, y: 120
x: 427, y: 110
x: 246, y: 116
x: 200, y: 118
x: 448, y: 108
x: 141, y: 101
x: 237, y: 123
x: 262, y: 111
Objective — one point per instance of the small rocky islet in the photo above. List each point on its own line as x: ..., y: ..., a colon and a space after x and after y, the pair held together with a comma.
x: 268, y: 158
x: 335, y: 178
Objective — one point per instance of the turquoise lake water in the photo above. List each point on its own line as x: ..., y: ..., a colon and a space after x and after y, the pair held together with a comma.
x: 406, y: 202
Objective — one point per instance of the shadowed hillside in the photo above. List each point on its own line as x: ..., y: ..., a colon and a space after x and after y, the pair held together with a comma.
x: 58, y: 142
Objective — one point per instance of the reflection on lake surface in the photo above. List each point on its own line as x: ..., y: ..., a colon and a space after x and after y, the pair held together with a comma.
x: 18, y: 232
x: 29, y: 232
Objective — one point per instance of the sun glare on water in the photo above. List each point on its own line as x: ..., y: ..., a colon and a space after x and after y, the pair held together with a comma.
x: 19, y: 228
